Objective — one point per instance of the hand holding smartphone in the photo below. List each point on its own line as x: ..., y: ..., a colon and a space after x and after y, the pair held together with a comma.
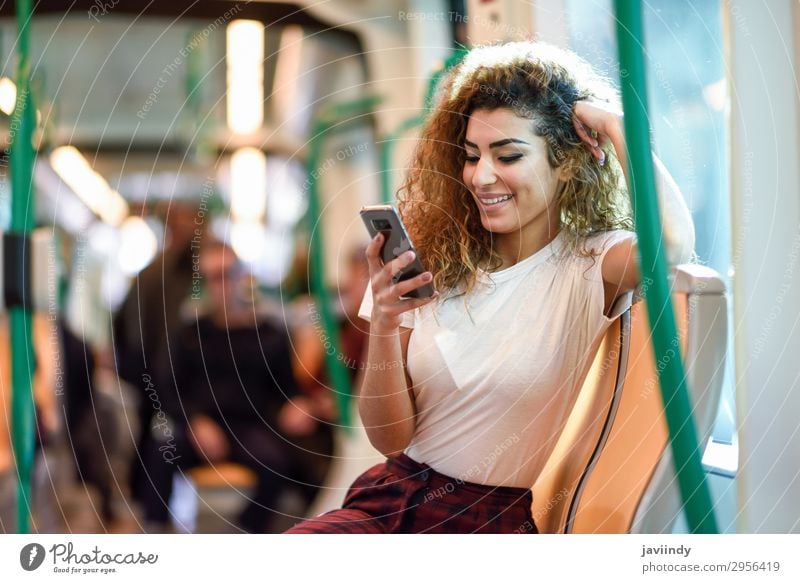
x: 384, y: 219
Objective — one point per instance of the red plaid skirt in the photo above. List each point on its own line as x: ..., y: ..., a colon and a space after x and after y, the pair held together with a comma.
x: 404, y: 496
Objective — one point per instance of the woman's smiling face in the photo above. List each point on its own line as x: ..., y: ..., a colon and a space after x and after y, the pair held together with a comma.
x: 509, y: 176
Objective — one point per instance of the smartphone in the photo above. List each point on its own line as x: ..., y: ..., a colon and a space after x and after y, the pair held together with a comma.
x: 385, y: 219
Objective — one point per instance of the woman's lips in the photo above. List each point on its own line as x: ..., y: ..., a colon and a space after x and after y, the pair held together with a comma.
x: 493, y: 202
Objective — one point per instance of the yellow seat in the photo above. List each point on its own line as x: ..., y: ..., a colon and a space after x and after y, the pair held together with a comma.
x: 223, y: 475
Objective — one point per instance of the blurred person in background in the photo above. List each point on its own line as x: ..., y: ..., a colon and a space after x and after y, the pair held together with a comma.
x: 147, y: 323
x: 237, y: 400
x: 308, y: 341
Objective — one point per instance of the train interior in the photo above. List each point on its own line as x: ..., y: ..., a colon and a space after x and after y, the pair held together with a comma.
x: 267, y: 126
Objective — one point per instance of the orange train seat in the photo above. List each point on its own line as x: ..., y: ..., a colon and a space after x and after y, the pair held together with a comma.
x: 611, y: 470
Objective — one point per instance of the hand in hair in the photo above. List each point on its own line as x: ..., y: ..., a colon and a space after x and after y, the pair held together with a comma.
x: 597, y: 124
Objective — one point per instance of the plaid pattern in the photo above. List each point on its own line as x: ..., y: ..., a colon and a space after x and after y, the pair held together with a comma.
x: 404, y: 496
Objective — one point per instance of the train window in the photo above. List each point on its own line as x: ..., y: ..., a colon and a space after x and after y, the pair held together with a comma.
x: 688, y: 109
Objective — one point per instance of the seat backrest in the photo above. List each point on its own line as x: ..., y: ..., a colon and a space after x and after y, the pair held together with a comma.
x: 611, y: 470
x: 704, y: 363
x: 584, y: 433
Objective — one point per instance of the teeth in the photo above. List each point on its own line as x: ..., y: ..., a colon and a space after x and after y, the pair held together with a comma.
x: 495, y: 200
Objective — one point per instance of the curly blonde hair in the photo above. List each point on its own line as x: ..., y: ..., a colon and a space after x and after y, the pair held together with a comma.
x: 538, y: 82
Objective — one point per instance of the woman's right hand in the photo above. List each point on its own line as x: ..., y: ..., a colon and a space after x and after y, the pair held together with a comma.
x: 387, y: 307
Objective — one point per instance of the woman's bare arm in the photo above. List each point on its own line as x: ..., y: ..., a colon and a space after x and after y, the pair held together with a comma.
x: 621, y: 264
x: 386, y: 403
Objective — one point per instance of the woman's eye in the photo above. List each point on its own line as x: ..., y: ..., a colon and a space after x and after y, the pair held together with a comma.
x: 510, y: 159
x: 471, y: 159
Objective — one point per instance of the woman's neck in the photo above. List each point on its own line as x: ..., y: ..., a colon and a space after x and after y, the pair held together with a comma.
x: 514, y: 247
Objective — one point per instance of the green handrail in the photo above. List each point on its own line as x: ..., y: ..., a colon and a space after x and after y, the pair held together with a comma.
x: 386, y: 151
x: 330, y: 122
x: 674, y: 392
x: 23, y: 413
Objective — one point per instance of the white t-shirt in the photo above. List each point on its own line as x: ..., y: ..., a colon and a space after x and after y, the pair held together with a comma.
x: 495, y: 381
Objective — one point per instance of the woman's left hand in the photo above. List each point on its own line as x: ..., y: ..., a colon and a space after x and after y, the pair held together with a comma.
x: 596, y: 123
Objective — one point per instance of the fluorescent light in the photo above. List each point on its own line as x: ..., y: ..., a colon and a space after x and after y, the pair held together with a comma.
x: 90, y: 187
x: 8, y: 98
x: 290, y: 201
x: 287, y: 71
x: 8, y: 95
x: 247, y: 240
x: 248, y: 184
x: 138, y: 245
x: 716, y: 94
x: 245, y: 58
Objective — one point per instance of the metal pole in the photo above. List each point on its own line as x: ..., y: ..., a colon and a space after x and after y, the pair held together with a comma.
x: 23, y: 414
x: 338, y: 118
x: 677, y: 405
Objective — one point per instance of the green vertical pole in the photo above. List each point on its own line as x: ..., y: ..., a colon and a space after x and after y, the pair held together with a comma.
x: 338, y: 118
x: 22, y: 358
x: 682, y: 433
x: 337, y: 373
x: 202, y: 146
x: 386, y: 151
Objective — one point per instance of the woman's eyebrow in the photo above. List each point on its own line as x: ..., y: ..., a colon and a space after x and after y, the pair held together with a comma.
x: 498, y: 143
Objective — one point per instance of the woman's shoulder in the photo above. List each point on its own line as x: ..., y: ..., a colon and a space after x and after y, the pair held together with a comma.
x: 591, y: 246
x: 579, y: 254
x: 601, y: 241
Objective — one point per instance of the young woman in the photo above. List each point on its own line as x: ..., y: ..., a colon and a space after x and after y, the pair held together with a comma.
x: 517, y: 207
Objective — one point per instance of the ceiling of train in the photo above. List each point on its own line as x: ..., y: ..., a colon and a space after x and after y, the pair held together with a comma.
x: 109, y: 81
x: 140, y: 86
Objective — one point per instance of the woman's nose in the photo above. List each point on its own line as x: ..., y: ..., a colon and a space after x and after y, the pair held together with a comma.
x: 484, y: 174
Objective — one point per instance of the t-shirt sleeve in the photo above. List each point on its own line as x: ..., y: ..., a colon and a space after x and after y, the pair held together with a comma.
x: 602, y: 244
x: 365, y: 311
